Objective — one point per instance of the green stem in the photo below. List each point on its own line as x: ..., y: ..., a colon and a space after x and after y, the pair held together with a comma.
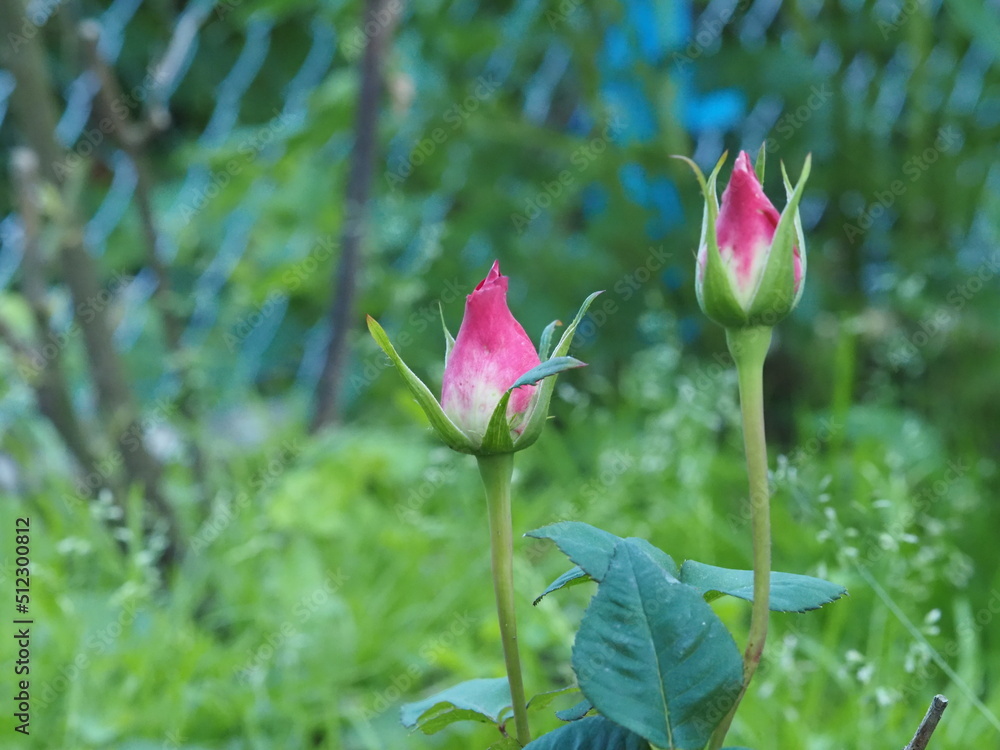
x: 496, y: 472
x: 749, y: 349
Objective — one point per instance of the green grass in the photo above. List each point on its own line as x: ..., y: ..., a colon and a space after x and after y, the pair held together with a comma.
x: 355, y: 577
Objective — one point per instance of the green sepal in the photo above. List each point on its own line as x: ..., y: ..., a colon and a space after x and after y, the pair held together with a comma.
x: 715, y: 293
x: 776, y: 295
x: 498, y: 438
x: 789, y: 193
x: 442, y: 424
x: 759, y: 164
x: 548, y: 368
x: 545, y: 345
x: 539, y: 412
x: 449, y: 340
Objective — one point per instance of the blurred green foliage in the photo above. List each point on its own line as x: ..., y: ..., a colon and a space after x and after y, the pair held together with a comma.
x: 328, y: 579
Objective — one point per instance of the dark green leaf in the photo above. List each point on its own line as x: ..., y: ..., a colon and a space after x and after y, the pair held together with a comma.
x: 577, y: 712
x: 587, y: 546
x: 658, y: 556
x: 593, y: 733
x: 591, y: 549
x: 571, y: 577
x: 544, y: 700
x: 483, y: 700
x: 652, y: 656
x: 789, y: 592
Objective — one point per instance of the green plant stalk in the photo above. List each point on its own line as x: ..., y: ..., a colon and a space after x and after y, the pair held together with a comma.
x: 496, y: 472
x: 749, y: 349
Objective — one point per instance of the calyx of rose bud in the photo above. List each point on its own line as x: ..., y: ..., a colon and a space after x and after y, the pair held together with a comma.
x: 492, y: 401
x: 751, y: 260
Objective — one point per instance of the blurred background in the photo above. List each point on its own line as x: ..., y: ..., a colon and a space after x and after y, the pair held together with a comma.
x: 243, y: 535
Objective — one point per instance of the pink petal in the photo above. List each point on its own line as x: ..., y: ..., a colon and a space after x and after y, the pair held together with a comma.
x: 491, y: 351
x: 747, y: 220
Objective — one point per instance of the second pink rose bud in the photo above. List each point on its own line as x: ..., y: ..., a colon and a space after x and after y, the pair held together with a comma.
x: 751, y: 259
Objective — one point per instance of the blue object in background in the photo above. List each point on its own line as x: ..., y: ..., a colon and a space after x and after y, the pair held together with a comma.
x: 649, y: 34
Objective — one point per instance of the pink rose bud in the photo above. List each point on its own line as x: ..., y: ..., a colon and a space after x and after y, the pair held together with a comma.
x: 490, y: 402
x: 490, y: 353
x: 751, y: 259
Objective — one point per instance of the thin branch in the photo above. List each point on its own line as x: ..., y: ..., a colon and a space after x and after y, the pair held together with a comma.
x: 929, y: 724
x: 112, y: 113
x: 33, y: 105
x: 345, y: 283
x: 33, y: 102
x: 47, y: 379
